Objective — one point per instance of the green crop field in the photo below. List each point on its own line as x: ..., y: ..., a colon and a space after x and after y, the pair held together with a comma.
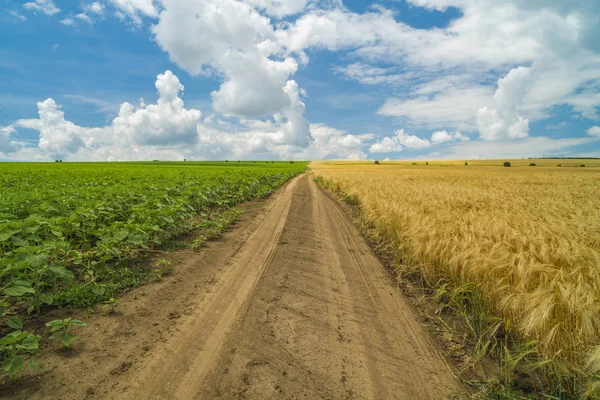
x: 70, y: 232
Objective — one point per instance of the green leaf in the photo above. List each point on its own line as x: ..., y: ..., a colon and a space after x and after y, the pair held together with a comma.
x: 121, y: 235
x: 13, y: 366
x: 61, y: 272
x: 46, y: 298
x: 98, y: 290
x: 77, y: 322
x: 2, y: 310
x: 30, y: 343
x: 15, y: 322
x: 34, y: 365
x: 37, y: 260
x: 55, y: 325
x: 4, y: 236
x: 18, y: 291
x: 67, y: 339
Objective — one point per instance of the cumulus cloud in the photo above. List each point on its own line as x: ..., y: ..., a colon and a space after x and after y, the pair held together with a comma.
x: 57, y: 136
x: 594, y: 131
x: 331, y: 143
x: 166, y: 123
x: 503, y: 121
x: 254, y: 87
x: 45, y: 6
x: 395, y: 143
x: 445, y: 137
x: 169, y: 130
x: 233, y: 40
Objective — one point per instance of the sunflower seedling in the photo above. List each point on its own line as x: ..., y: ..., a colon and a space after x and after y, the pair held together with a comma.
x: 163, y: 267
x: 15, y: 346
x: 62, y: 327
x: 111, y: 304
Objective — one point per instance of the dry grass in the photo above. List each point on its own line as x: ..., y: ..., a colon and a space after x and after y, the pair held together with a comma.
x: 528, y: 237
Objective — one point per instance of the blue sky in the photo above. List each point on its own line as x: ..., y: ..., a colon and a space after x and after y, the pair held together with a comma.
x: 304, y: 79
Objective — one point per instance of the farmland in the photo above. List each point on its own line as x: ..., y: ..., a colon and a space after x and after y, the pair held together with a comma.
x: 70, y: 233
x: 515, y: 251
x: 61, y: 224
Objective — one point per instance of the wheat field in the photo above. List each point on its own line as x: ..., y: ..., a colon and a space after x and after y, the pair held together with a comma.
x: 527, y: 236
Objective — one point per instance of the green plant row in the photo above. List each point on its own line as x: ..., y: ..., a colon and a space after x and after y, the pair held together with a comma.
x: 66, y: 223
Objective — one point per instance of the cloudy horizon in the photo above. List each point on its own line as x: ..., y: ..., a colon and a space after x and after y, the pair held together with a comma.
x: 304, y: 79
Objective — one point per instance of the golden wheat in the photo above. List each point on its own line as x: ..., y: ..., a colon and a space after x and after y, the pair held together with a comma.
x: 529, y: 237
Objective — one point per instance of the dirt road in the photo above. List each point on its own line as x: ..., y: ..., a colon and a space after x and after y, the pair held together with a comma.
x: 292, y: 304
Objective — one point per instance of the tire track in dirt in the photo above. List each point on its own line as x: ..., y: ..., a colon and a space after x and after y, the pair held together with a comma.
x: 290, y: 304
x: 325, y: 321
x: 178, y: 370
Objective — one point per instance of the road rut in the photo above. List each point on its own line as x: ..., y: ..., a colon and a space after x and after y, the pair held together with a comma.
x: 290, y: 304
x: 304, y: 310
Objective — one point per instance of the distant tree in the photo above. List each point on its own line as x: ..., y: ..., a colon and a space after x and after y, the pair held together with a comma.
x: 582, y: 165
x: 414, y: 163
x: 55, y: 160
x: 559, y: 165
x: 532, y: 164
x: 226, y: 160
x: 506, y: 164
x: 426, y: 162
x: 185, y: 159
x: 466, y: 163
x: 376, y: 162
x: 291, y: 162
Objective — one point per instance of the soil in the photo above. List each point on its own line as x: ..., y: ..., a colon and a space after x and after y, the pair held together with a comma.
x: 291, y: 303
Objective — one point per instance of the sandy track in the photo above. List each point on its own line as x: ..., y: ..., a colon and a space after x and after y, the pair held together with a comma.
x: 292, y: 304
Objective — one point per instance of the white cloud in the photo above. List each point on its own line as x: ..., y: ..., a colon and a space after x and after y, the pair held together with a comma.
x: 57, y: 136
x: 84, y: 17
x: 370, y: 75
x: 594, y: 131
x: 560, y: 125
x: 396, y: 142
x: 17, y: 15
x: 164, y: 123
x: 455, y: 107
x: 45, y: 6
x: 232, y: 39
x: 331, y: 143
x: 527, y: 147
x: 135, y: 9
x: 503, y: 121
x: 67, y: 21
x: 551, y: 39
x: 254, y: 87
x: 279, y: 8
x: 445, y: 137
x: 96, y: 8
x: 6, y: 130
x: 7, y: 145
x: 168, y: 130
